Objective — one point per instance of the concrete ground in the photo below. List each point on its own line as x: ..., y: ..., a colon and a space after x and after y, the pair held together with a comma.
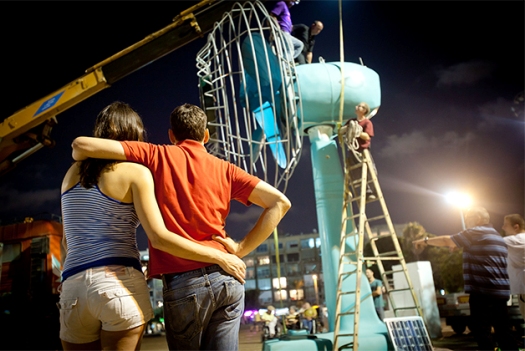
x: 252, y: 341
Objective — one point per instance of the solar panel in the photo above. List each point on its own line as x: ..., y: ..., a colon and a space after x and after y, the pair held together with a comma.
x: 408, y: 334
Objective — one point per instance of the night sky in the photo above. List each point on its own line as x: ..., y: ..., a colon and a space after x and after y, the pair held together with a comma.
x: 449, y: 71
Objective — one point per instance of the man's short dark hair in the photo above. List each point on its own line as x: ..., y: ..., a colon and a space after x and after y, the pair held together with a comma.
x: 188, y: 122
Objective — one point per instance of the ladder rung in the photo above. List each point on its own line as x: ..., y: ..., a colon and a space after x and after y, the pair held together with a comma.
x: 381, y: 259
x: 406, y: 308
x: 382, y: 254
x: 351, y: 272
x: 376, y: 218
x: 357, y: 198
x: 389, y: 235
x: 345, y: 314
x: 396, y: 290
x: 356, y: 216
x: 392, y: 272
x: 349, y: 235
x: 345, y: 334
x: 356, y: 182
x: 357, y: 165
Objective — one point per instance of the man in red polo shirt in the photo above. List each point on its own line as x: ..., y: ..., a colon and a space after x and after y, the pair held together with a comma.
x: 203, y: 304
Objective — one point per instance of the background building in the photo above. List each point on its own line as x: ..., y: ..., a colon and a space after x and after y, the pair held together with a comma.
x: 300, y: 274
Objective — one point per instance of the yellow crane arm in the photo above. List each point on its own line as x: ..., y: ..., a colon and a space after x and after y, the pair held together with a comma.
x: 28, y: 130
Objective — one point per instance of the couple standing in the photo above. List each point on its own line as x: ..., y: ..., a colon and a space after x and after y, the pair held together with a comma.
x: 181, y: 195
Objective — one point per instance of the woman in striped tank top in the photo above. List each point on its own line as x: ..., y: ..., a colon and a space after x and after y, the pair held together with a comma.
x: 104, y: 299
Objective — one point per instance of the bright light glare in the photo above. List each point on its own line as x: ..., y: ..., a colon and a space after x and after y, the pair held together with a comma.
x: 459, y: 199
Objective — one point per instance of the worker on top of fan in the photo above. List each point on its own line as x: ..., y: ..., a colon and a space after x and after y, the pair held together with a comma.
x: 307, y: 36
x: 280, y: 12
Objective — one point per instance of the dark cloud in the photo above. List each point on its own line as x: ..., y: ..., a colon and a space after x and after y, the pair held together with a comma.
x: 467, y: 73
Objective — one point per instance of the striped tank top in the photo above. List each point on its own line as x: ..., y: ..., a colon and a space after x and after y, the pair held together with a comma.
x: 99, y: 230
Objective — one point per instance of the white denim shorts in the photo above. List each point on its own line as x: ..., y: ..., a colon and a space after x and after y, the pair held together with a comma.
x: 109, y: 298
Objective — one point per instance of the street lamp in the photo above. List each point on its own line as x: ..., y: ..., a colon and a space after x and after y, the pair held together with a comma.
x: 314, y: 277
x: 461, y: 201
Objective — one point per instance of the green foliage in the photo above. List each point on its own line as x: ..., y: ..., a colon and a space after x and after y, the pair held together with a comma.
x: 447, y: 270
x: 446, y: 265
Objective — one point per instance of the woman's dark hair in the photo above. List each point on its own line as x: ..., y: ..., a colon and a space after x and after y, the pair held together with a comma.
x: 117, y: 121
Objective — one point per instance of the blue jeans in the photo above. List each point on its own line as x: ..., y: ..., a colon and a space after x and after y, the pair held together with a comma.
x: 203, y: 309
x: 294, y: 45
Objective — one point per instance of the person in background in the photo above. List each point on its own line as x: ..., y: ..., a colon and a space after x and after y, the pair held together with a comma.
x: 309, y: 315
x: 203, y: 303
x: 307, y: 36
x: 280, y: 12
x: 104, y: 298
x: 292, y: 319
x: 485, y: 276
x: 377, y: 293
x: 270, y: 320
x: 256, y: 322
x: 514, y: 228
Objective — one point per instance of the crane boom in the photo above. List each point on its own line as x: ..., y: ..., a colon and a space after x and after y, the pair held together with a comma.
x: 28, y: 129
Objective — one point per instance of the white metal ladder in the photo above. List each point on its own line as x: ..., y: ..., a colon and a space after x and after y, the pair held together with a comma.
x: 351, y: 262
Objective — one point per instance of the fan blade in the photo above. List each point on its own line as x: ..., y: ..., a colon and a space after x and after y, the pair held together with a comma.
x: 266, y: 119
x: 258, y: 59
x: 257, y: 143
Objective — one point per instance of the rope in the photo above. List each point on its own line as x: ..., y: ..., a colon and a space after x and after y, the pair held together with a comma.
x: 350, y: 132
x: 341, y: 49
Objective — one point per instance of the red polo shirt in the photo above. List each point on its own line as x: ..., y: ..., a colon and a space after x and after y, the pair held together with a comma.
x: 194, y: 190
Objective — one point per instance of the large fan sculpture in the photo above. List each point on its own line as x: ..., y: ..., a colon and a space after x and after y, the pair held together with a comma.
x: 247, y: 78
x: 260, y: 106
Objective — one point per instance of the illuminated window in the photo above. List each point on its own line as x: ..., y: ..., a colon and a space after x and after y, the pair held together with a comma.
x: 275, y: 283
x: 280, y: 297
x: 296, y: 294
x: 262, y: 260
x: 249, y: 262
x: 307, y: 243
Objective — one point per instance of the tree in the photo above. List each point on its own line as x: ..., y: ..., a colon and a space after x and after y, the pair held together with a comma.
x: 447, y: 270
x: 446, y: 265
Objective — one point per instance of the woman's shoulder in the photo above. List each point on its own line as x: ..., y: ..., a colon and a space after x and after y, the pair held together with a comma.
x: 71, y: 177
x: 124, y: 165
x: 131, y: 170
